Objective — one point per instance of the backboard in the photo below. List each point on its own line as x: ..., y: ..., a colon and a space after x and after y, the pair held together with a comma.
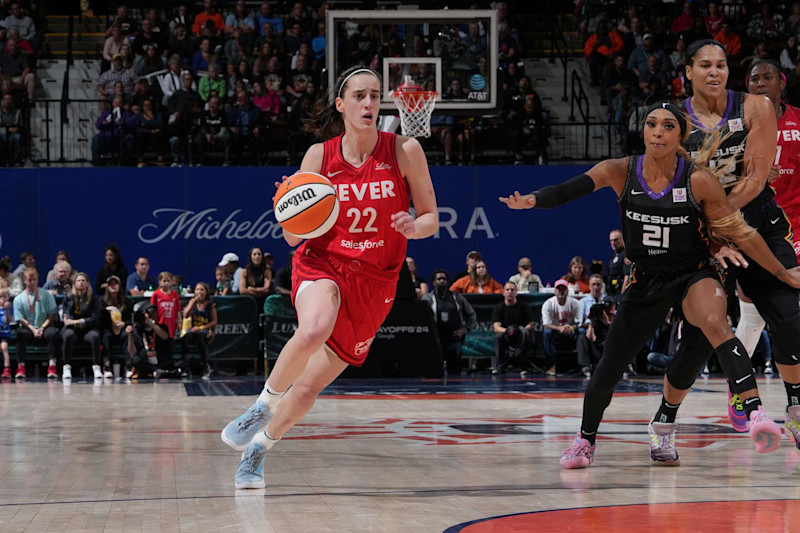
x: 452, y: 52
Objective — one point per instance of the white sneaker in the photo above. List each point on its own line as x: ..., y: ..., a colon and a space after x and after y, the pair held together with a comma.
x: 128, y: 373
x: 108, y: 374
x: 98, y: 374
x: 66, y: 372
x: 768, y: 368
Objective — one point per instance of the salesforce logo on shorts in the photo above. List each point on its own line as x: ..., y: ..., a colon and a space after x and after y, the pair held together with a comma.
x: 208, y: 224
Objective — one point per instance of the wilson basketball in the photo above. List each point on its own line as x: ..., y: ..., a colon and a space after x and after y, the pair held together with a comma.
x: 306, y: 205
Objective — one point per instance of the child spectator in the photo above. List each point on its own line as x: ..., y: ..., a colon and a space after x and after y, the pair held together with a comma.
x: 202, y: 311
x: 224, y: 283
x: 6, y: 316
x: 168, y: 306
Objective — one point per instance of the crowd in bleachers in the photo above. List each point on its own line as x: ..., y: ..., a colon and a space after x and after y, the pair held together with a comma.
x: 635, y: 50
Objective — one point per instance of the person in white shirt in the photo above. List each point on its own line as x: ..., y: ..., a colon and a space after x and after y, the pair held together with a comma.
x: 560, y: 318
x: 525, y: 279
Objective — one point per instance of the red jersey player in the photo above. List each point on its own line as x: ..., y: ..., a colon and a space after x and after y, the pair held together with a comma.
x: 766, y: 79
x: 344, y: 281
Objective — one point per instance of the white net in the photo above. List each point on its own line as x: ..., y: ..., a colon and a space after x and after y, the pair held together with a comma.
x: 415, y: 111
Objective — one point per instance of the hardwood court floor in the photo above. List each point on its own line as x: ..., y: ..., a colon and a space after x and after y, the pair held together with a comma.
x: 382, y: 456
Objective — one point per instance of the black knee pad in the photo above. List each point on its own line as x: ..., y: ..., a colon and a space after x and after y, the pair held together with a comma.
x: 735, y: 362
x: 786, y: 341
x: 690, y: 358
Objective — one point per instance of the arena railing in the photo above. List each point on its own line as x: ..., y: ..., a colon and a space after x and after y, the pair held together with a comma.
x: 558, y: 49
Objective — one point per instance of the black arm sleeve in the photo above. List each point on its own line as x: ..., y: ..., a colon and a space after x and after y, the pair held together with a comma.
x: 556, y: 195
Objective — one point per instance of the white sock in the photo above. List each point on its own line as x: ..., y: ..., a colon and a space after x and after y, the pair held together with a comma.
x: 750, y: 326
x: 270, y: 397
x: 52, y: 362
x: 263, y: 438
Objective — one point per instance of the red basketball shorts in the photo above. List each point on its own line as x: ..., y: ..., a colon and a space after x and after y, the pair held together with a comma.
x: 366, y: 297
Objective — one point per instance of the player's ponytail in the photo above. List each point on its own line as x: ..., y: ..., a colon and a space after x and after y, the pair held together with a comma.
x: 730, y: 229
x: 326, y: 122
x: 702, y: 159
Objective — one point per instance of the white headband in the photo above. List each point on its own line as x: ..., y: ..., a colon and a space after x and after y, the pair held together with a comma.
x: 359, y: 71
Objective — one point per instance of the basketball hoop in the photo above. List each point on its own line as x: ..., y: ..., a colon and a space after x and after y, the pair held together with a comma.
x: 415, y: 106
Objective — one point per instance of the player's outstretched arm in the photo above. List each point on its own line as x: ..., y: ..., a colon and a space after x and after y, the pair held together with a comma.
x: 414, y: 166
x: 609, y: 173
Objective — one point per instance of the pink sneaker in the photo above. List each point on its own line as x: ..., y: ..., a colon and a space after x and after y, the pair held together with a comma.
x: 579, y: 455
x: 764, y: 431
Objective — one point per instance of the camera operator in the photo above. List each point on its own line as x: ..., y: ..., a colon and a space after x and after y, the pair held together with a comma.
x: 512, y: 322
x: 145, y: 341
x: 454, y: 316
x: 590, y: 345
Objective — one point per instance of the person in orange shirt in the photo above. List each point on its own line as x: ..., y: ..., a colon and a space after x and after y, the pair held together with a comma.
x: 477, y: 282
x: 209, y: 13
x: 729, y: 40
x: 599, y: 48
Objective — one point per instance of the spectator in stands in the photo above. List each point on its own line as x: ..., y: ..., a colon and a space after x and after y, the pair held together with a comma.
x: 128, y: 59
x: 653, y: 71
x: 256, y: 279
x: 766, y: 24
x: 714, y: 19
x: 684, y: 21
x: 729, y: 40
x: 168, y: 306
x: 696, y: 32
x: 112, y: 266
x: 148, y: 342
x: 789, y: 53
x: 11, y: 129
x: 151, y: 62
x: 469, y: 262
x: 614, y: 77
x: 180, y: 99
x: 678, y: 56
x: 181, y: 129
x: 637, y: 62
x: 202, y: 312
x: 576, y: 276
x: 269, y: 101
x: 454, y: 316
x: 80, y: 312
x: 293, y: 39
x: 141, y: 92
x: 299, y: 16
x: 183, y: 18
x: 793, y: 20
x: 230, y: 262
x: 244, y: 120
x: 283, y: 276
x: 512, y: 323
x: 299, y: 138
x: 141, y: 280
x: 208, y: 14
x: 212, y: 132
x: 599, y: 48
x: 420, y: 286
x: 275, y: 41
x: 761, y: 51
x: 180, y: 45
x: 26, y: 260
x: 62, y: 284
x: 6, y: 317
x: 479, y: 281
x: 241, y: 78
x: 203, y: 57
x: 170, y: 81
x: 150, y: 135
x: 9, y: 280
x: 525, y: 280
x: 224, y: 284
x: 560, y: 316
x: 318, y: 47
x: 112, y: 46
x: 115, y: 133
x: 529, y: 129
x: 62, y: 255
x: 18, y: 20
x: 23, y: 44
x: 35, y: 311
x: 16, y: 65
x: 263, y: 53
x: 239, y: 18
x: 117, y: 72
x: 146, y: 38
x: 616, y: 269
x: 591, y: 342
x: 211, y: 83
x: 265, y: 16
x: 115, y: 316
x: 157, y: 26
x: 635, y: 36
x: 122, y: 20
x: 596, y: 293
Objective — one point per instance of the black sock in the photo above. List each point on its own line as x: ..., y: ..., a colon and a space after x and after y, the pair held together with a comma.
x: 751, y: 404
x: 666, y: 412
x: 589, y: 436
x: 792, y: 393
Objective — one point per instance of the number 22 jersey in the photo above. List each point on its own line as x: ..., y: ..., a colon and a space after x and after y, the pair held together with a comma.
x: 368, y: 196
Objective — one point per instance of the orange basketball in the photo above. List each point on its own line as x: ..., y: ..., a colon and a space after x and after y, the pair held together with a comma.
x: 306, y: 205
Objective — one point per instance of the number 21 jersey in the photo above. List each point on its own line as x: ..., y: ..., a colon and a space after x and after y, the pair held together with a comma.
x: 368, y: 196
